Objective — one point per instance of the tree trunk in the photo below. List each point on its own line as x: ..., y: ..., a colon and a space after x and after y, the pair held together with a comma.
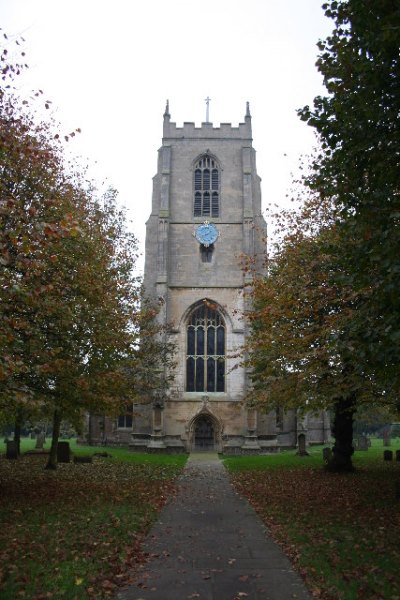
x: 52, y: 462
x: 342, y: 431
x: 17, y: 430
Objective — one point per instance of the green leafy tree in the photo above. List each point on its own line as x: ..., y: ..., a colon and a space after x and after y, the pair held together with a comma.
x: 357, y: 124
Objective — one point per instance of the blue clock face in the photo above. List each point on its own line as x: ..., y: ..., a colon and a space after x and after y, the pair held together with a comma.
x: 206, y: 234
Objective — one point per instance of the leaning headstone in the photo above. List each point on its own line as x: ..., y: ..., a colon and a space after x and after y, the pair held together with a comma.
x: 11, y: 449
x: 387, y: 455
x: 39, y: 441
x: 63, y: 452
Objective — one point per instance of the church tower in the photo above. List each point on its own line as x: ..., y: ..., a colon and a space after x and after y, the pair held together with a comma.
x: 206, y: 215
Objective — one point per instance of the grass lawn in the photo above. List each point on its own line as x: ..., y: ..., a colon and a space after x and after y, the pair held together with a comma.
x: 342, y: 532
x: 76, y: 533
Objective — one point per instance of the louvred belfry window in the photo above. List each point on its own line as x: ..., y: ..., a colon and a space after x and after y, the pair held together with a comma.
x: 206, y: 188
x: 205, y: 359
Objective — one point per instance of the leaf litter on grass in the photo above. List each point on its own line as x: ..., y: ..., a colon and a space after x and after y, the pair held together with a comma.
x: 342, y: 532
x: 76, y: 532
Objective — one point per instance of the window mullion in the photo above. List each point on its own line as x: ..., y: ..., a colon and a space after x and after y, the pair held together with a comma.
x: 205, y: 349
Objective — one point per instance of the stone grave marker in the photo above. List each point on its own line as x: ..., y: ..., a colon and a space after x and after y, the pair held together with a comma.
x: 11, y: 449
x: 63, y: 452
x: 326, y: 455
x: 386, y: 438
x: 301, y: 440
x: 40, y: 439
x: 362, y: 442
x: 387, y: 455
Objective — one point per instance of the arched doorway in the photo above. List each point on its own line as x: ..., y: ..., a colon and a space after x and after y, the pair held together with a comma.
x: 203, y: 434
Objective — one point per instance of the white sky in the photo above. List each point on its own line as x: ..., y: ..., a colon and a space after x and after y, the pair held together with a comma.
x: 108, y: 67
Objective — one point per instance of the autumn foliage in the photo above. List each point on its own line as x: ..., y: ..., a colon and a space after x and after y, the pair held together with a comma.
x: 76, y: 533
x: 70, y: 303
x: 340, y: 531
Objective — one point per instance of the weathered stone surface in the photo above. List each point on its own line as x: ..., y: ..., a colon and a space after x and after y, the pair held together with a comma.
x: 326, y: 455
x: 176, y: 273
x: 302, y: 449
x: 362, y: 443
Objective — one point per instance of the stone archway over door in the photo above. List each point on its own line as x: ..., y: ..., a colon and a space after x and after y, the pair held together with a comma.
x: 203, y: 434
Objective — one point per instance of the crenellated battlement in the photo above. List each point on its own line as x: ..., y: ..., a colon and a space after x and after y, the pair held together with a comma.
x: 207, y: 129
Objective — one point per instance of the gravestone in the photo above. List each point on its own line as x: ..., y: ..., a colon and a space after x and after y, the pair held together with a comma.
x: 386, y: 438
x: 326, y: 455
x: 40, y: 441
x: 387, y: 455
x: 301, y: 440
x: 11, y: 449
x: 63, y: 452
x: 362, y: 442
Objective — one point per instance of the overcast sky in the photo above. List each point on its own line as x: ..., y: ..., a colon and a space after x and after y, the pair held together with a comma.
x: 109, y: 67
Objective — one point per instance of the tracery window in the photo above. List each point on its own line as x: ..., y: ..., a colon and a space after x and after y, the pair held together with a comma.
x: 206, y: 187
x: 205, y: 359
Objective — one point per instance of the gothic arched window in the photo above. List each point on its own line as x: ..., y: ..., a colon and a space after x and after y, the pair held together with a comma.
x: 205, y: 359
x: 206, y: 187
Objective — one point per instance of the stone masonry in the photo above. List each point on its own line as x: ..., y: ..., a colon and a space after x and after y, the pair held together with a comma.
x: 206, y: 181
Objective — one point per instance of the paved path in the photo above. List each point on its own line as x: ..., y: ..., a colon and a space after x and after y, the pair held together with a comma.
x: 209, y: 544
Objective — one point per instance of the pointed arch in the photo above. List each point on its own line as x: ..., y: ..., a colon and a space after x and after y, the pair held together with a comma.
x: 205, y: 430
x: 205, y: 348
x: 211, y: 302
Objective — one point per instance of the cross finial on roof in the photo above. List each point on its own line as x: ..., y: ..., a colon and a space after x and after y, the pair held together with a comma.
x: 207, y: 101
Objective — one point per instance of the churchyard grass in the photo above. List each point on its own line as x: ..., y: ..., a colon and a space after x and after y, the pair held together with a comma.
x: 342, y: 531
x: 290, y: 459
x: 76, y: 533
x: 119, y: 454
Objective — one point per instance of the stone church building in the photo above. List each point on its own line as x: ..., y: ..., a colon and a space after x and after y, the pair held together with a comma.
x: 205, y: 216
